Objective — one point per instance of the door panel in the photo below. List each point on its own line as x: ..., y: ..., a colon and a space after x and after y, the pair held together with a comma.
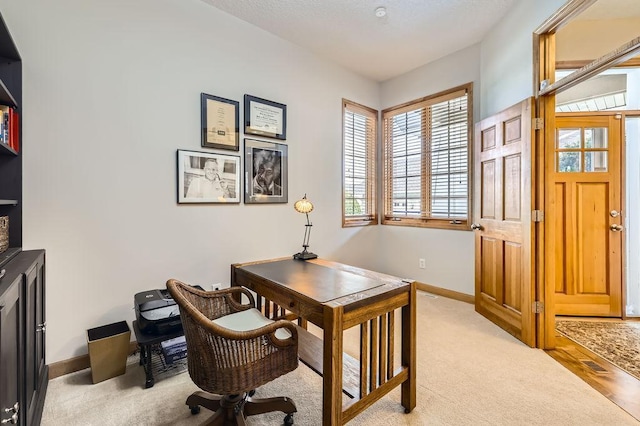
x: 583, y: 252
x: 502, y: 220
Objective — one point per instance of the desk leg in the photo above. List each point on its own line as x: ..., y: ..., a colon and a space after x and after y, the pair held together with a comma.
x: 332, y: 367
x: 409, y: 351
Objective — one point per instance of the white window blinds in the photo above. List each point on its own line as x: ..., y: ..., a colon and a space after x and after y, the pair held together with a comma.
x: 359, y: 164
x: 426, y: 160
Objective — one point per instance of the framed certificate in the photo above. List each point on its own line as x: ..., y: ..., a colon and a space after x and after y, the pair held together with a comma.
x: 220, y: 122
x: 265, y: 118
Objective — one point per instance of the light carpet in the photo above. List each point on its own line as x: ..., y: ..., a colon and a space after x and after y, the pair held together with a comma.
x: 617, y: 342
x: 469, y: 372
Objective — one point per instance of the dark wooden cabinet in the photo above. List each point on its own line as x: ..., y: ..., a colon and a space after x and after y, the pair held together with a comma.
x: 10, y: 347
x: 23, y: 372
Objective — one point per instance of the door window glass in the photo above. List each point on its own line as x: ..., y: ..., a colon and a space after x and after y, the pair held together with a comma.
x: 582, y: 150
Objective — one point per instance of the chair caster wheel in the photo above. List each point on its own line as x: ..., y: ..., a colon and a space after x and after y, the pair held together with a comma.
x: 288, y: 420
x: 195, y: 410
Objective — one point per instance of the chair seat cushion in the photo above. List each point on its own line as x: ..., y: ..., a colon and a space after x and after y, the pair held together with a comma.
x: 247, y: 320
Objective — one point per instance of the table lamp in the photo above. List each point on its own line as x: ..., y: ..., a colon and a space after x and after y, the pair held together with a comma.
x: 305, y: 206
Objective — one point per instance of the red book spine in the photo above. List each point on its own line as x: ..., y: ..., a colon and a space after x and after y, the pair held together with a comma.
x: 14, y: 130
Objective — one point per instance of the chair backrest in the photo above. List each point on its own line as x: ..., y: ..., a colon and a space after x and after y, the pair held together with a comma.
x: 224, y: 361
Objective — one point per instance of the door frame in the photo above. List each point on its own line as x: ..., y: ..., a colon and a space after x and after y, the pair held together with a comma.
x: 545, y: 88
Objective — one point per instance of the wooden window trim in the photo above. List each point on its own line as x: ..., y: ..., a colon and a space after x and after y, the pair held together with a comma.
x: 370, y: 217
x: 427, y: 222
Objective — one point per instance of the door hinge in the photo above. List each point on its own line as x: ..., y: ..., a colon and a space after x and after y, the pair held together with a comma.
x: 537, y: 216
x: 537, y: 123
x: 537, y: 307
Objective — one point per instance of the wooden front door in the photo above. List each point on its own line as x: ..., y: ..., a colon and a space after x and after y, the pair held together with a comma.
x: 503, y: 167
x: 583, y: 224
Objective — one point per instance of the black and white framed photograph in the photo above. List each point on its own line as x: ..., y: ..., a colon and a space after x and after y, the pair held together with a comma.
x: 265, y: 172
x: 265, y: 118
x: 204, y: 177
x: 220, y: 119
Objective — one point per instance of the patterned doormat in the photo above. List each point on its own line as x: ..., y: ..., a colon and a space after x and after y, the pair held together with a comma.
x: 617, y: 342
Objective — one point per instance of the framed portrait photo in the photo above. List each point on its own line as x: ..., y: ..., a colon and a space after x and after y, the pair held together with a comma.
x: 220, y: 119
x: 265, y: 172
x: 204, y: 177
x: 265, y: 118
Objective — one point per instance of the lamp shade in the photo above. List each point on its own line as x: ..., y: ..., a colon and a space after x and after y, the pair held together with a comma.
x: 304, y: 205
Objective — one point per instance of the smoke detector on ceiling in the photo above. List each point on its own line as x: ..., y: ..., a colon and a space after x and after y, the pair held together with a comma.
x: 381, y: 11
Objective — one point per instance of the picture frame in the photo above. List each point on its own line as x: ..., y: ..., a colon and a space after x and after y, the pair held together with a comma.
x: 205, y: 177
x: 265, y: 118
x: 265, y: 172
x: 220, y: 122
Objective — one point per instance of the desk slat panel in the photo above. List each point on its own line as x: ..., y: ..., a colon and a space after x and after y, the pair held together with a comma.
x: 383, y: 348
x: 364, y: 357
x: 353, y: 407
x: 373, y: 353
x: 392, y: 343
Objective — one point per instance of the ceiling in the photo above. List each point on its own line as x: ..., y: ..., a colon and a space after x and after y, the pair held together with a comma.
x: 347, y: 32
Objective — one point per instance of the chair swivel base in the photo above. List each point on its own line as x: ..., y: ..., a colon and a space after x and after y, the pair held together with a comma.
x: 234, y: 409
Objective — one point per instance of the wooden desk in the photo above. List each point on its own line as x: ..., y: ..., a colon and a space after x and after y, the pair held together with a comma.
x: 336, y: 297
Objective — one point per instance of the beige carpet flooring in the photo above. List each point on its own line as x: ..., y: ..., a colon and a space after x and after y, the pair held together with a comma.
x: 470, y: 372
x: 617, y: 342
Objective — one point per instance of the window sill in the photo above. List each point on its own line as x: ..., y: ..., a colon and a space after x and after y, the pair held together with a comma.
x: 431, y: 223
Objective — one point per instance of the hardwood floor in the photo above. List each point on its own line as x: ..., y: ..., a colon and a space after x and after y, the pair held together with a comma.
x: 617, y: 385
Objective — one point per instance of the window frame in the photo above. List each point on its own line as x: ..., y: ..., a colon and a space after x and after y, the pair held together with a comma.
x: 387, y: 215
x: 371, y: 216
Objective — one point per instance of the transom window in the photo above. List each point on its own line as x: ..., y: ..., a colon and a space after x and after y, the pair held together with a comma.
x: 426, y: 160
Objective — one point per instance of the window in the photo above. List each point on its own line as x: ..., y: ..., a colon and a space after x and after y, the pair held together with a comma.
x: 426, y: 160
x: 359, y: 165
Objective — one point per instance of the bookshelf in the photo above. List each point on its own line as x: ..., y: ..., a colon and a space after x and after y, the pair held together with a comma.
x: 11, y: 159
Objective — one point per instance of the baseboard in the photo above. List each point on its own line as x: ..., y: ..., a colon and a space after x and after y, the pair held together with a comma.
x: 78, y: 363
x: 462, y: 297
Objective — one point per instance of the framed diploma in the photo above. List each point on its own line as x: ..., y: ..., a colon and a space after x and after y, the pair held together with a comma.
x: 220, y: 122
x: 265, y: 118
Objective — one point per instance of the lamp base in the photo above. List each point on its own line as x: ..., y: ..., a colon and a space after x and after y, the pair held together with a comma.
x: 305, y: 255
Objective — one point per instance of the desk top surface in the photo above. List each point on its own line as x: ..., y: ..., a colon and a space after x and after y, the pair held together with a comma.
x: 318, y: 282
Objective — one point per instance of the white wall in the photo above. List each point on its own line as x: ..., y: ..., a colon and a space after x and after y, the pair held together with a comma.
x: 111, y: 91
x: 506, y: 63
x: 448, y: 254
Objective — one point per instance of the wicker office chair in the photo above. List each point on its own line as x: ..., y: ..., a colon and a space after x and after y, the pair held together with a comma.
x: 232, y: 349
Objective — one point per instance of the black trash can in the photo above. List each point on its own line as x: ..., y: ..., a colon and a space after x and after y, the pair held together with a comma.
x: 108, y: 350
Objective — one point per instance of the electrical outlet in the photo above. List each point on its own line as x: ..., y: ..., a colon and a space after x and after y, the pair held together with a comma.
x: 422, y: 263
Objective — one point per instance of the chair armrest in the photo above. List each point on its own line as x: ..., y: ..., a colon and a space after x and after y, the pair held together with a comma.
x: 267, y: 330
x: 212, y: 304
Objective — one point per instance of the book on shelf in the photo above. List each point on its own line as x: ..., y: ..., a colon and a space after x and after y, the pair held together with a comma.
x: 10, y: 127
x: 14, y: 130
